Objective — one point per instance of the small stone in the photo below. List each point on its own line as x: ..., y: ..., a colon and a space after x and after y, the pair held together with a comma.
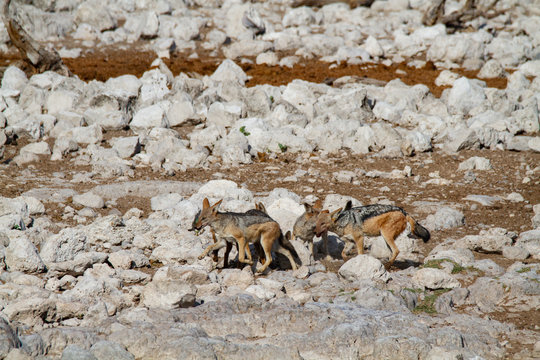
x: 90, y: 200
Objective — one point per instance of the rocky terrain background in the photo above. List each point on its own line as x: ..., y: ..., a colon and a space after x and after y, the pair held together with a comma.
x: 172, y: 101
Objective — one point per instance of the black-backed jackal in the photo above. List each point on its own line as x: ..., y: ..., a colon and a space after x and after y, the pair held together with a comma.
x: 304, y: 227
x: 243, y: 228
x: 352, y: 223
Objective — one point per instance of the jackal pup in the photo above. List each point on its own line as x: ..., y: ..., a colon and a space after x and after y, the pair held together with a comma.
x: 304, y: 227
x: 242, y: 228
x: 352, y: 223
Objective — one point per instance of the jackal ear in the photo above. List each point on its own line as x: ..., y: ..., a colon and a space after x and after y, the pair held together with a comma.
x: 205, y: 203
x: 334, y: 215
x: 348, y: 206
x: 216, y: 205
x: 308, y: 208
x: 318, y: 204
x: 260, y: 207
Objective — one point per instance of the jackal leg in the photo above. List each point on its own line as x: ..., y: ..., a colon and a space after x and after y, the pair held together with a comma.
x: 267, y: 242
x: 312, y: 248
x: 325, y: 243
x: 228, y: 249
x: 215, y: 246
x: 359, y: 240
x: 242, y: 251
x: 390, y: 232
x: 287, y: 253
x: 215, y: 252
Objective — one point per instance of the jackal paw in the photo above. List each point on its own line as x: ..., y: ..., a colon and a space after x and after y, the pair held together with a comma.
x: 200, y: 257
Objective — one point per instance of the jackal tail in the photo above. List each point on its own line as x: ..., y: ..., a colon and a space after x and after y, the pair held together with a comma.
x: 418, y: 229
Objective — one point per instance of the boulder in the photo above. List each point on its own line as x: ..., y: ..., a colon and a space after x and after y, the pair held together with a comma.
x: 22, y: 255
x: 434, y: 279
x: 363, y: 267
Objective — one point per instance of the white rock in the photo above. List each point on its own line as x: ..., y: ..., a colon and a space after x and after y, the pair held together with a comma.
x: 534, y: 144
x: 234, y: 27
x: 363, y: 267
x: 236, y: 277
x: 125, y: 259
x: 22, y: 255
x: 150, y: 117
x: 299, y: 16
x: 62, y: 147
x: 462, y: 138
x: 225, y: 189
x: 165, y: 201
x: 126, y: 147
x: 373, y: 47
x: 463, y: 257
x: 229, y: 71
x: 268, y: 58
x: 246, y: 48
x: 510, y: 51
x: 285, y: 211
x: 61, y: 100
x: 124, y: 85
x: 151, y: 25
x: 96, y: 14
x: 35, y: 206
x: 420, y: 142
x: 273, y: 285
x: 181, y: 111
x: 536, y: 218
x: 260, y: 292
x: 188, y: 28
x: 90, y: 200
x: 233, y: 149
x: 433, y: 279
x: 465, y: 95
x: 182, y: 247
x: 531, y: 68
x: 530, y: 240
x: 224, y: 114
x: 515, y: 252
x: 154, y: 87
x: 37, y: 148
x: 489, y: 267
x: 84, y: 134
x: 107, y: 116
x: 491, y: 69
x: 515, y: 197
x: 168, y: 295
x: 333, y: 202
x: 493, y: 240
x: 476, y: 163
x: 195, y: 275
x: 445, y: 218
x: 14, y: 79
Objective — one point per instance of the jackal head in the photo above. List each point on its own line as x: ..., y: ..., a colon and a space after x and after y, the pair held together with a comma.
x: 304, y: 227
x: 325, y: 221
x: 205, y: 216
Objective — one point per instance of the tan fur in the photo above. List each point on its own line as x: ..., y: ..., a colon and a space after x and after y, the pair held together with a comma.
x: 225, y: 227
x: 389, y: 225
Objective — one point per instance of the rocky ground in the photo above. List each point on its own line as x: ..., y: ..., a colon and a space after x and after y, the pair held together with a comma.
x: 173, y: 101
